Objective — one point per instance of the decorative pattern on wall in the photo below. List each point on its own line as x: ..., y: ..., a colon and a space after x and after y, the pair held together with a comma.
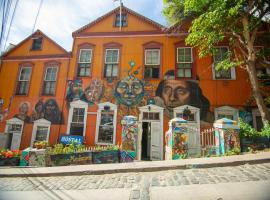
x: 130, y: 90
x: 91, y: 95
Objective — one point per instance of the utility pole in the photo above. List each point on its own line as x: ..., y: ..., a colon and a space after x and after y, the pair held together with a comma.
x: 121, y: 4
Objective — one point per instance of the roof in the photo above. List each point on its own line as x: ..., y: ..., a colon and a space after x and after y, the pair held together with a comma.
x: 36, y: 33
x: 116, y: 10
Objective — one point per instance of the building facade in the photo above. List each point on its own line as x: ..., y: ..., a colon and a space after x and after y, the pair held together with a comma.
x: 119, y: 66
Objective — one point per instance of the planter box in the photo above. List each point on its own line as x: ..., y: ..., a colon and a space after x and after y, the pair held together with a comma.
x: 258, y: 143
x: 126, y: 156
x: 101, y: 157
x: 69, y: 159
x: 9, y: 161
x: 37, y: 157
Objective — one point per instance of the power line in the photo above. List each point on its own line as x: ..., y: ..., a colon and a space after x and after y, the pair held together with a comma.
x: 40, y: 4
x: 11, y: 21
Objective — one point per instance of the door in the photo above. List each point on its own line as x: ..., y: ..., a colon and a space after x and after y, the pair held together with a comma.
x: 16, y: 141
x: 194, y: 148
x: 156, y: 139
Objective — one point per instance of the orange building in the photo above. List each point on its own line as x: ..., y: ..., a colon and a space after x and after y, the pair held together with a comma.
x: 119, y: 66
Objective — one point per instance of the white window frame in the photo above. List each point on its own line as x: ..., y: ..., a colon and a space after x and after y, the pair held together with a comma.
x: 17, y: 122
x: 227, y: 110
x: 40, y: 122
x: 24, y: 80
x: 232, y: 69
x: 151, y: 50
x: 178, y: 62
x: 117, y: 62
x: 90, y: 61
x: 77, y: 104
x: 113, y: 108
x: 44, y: 80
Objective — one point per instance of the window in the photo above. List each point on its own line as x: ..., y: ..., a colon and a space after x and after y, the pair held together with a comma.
x: 41, y: 131
x: 121, y: 20
x: 226, y: 112
x: 77, y: 118
x: 49, y: 81
x: 23, y: 82
x: 111, y: 63
x: 184, y: 62
x: 152, y: 63
x: 84, y: 63
x: 220, y: 54
x: 14, y: 128
x: 37, y: 42
x: 150, y: 115
x: 106, y: 123
x: 76, y: 127
x: 257, y: 119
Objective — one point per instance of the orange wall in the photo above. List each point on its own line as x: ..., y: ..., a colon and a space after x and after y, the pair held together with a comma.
x: 219, y: 92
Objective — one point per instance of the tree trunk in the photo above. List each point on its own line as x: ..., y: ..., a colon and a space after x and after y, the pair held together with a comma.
x: 265, y: 114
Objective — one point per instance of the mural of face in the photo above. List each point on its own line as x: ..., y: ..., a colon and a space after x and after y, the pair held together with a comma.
x: 129, y: 91
x: 175, y: 93
x: 172, y: 93
x: 75, y: 90
x: 23, y: 111
x: 52, y: 112
x: 94, y: 91
x: 38, y: 113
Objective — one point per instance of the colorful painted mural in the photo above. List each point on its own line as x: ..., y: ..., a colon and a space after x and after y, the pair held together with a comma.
x: 180, y: 146
x: 130, y: 90
x: 91, y: 95
x: 75, y: 90
x: 94, y: 92
x: 23, y: 112
x: 129, y: 133
x: 231, y: 139
x: 172, y: 93
x: 48, y: 110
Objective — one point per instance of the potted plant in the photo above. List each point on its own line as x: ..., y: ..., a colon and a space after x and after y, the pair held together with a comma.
x: 9, y: 157
x: 41, y: 144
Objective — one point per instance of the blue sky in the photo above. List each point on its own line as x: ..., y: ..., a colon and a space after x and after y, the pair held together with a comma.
x: 59, y: 18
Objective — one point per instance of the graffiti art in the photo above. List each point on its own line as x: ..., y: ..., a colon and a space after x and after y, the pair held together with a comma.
x: 75, y: 90
x: 130, y: 90
x: 52, y: 112
x: 38, y: 113
x: 172, y: 93
x: 23, y: 112
x: 94, y: 92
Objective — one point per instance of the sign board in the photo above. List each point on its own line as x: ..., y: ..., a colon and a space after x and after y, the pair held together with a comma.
x: 68, y: 139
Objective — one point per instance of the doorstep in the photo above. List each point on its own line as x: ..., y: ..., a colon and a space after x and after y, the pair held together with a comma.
x: 138, y: 166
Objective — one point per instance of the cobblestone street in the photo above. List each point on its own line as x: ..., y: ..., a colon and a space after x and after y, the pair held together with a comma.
x: 141, y: 184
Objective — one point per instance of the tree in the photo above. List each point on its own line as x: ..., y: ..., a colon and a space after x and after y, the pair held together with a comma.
x: 243, y: 23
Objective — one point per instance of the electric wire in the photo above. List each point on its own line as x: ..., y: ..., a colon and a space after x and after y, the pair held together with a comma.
x: 5, y: 15
x: 40, y: 4
x: 11, y: 22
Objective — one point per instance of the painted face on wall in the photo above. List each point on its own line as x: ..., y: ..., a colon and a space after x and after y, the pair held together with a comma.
x: 129, y: 91
x: 24, y: 107
x: 94, y: 91
x: 175, y: 93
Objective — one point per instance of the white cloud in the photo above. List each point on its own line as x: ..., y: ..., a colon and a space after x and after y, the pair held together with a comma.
x: 59, y: 18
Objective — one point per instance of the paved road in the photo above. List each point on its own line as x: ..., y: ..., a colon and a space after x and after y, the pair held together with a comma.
x: 239, y: 182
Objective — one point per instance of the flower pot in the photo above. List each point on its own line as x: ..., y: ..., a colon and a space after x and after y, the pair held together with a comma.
x: 9, y: 161
x: 110, y: 156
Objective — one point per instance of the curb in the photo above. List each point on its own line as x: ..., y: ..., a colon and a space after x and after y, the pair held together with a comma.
x: 139, y: 169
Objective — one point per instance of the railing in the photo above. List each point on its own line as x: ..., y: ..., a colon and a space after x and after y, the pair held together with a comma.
x: 207, y: 139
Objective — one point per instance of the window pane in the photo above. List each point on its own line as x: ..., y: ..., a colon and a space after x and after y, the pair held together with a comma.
x: 41, y: 134
x: 152, y: 57
x: 111, y: 56
x: 188, y: 73
x: 25, y: 74
x: 115, y: 71
x: 51, y: 74
x: 37, y: 44
x: 180, y: 73
x: 85, y: 55
x: 76, y: 129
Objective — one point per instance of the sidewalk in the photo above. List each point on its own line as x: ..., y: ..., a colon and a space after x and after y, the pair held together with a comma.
x: 144, y: 166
